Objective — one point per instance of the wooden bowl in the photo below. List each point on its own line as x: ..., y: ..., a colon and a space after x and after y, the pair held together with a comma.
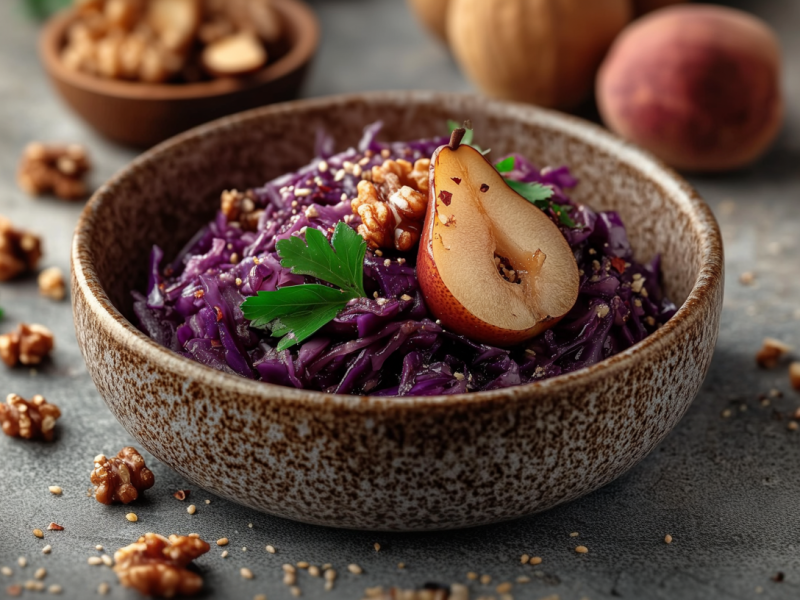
x: 143, y: 114
x: 409, y: 463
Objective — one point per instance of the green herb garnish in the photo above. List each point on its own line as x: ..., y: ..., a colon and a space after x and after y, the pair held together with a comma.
x: 296, y: 312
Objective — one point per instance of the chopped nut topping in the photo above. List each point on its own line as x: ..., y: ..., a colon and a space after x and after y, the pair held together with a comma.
x: 241, y: 208
x: 38, y: 533
x: 771, y: 352
x: 581, y: 550
x: 794, y: 375
x: 668, y: 539
x: 55, y: 527
x: 54, y: 169
x: 20, y: 251
x: 28, y: 345
x: 155, y: 565
x: 355, y: 569
x: 51, y: 284
x: 181, y: 494
x: 392, y: 205
x: 121, y: 478
x: 29, y: 420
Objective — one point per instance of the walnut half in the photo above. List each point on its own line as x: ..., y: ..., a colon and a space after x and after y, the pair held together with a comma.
x: 28, y: 345
x: 392, y: 205
x: 156, y: 566
x: 20, y: 251
x: 54, y: 169
x: 29, y: 420
x: 121, y: 478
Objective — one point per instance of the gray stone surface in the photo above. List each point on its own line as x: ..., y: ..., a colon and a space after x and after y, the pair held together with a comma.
x: 727, y: 489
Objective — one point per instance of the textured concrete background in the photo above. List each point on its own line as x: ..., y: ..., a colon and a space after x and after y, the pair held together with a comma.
x: 727, y: 489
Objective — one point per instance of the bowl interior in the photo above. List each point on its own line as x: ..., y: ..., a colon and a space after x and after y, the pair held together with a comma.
x: 171, y: 191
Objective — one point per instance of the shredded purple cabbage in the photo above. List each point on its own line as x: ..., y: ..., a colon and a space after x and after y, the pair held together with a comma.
x: 389, y: 345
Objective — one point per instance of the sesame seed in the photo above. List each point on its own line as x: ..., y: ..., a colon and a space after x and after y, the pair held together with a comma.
x: 47, y: 549
x: 288, y: 568
x: 405, y: 298
x: 34, y: 586
x: 581, y: 550
x: 378, y: 252
x: 668, y: 539
x: 132, y: 517
x: 472, y: 576
x: 38, y: 533
x: 6, y: 571
x: 524, y: 559
x: 22, y: 562
x: 95, y: 561
x: 726, y: 413
x: 224, y: 554
x: 107, y: 560
x: 55, y: 490
x: 271, y: 549
x: 792, y: 426
x: 322, y: 166
x: 296, y: 591
x: 55, y: 589
x: 246, y: 573
x: 327, y: 566
x: 191, y: 509
x: 503, y: 588
x: 330, y: 574
x: 523, y: 579
x: 238, y: 281
x: 260, y: 597
x: 355, y: 569
x: 536, y: 560
x: 339, y: 175
x: 328, y: 586
x: 222, y: 542
x: 312, y: 212
x: 747, y: 278
x: 387, y: 263
x: 255, y: 262
x: 313, y: 571
x: 99, y: 548
x: 574, y: 534
x: 40, y: 573
x: 357, y: 170
x: 401, y: 565
x: 302, y: 565
x: 486, y: 579
x: 301, y: 193
x: 289, y: 578
x: 244, y: 548
x: 103, y: 588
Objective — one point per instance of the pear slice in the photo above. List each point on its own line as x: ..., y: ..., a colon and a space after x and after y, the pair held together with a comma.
x: 491, y: 265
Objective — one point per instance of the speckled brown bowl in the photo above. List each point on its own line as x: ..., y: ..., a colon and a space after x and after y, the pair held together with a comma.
x: 143, y: 114
x: 392, y: 463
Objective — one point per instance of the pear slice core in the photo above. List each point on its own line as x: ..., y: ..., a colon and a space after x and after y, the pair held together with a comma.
x: 475, y: 221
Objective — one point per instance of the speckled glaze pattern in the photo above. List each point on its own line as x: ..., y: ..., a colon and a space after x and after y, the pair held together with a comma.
x: 414, y: 463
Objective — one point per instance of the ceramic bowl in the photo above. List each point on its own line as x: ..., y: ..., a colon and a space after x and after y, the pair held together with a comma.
x: 143, y: 114
x: 412, y: 463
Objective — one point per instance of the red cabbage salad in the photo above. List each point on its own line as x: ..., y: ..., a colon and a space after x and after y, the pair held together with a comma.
x: 385, y: 343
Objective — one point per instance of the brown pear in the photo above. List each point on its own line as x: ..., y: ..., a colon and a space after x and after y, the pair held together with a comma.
x: 491, y: 265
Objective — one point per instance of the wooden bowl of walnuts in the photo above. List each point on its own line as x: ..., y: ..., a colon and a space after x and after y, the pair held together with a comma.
x: 141, y: 71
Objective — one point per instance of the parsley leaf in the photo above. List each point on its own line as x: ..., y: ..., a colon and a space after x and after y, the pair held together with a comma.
x: 468, y: 135
x: 296, y: 312
x: 506, y: 165
x: 539, y: 195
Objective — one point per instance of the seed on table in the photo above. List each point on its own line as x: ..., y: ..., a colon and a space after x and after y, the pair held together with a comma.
x: 302, y: 565
x: 328, y: 586
x: 224, y: 554
x: 99, y: 548
x: 327, y: 566
x: 503, y: 588
x: 296, y: 591
x: 289, y: 578
x: 47, y: 549
x: 107, y: 560
x: 244, y: 548
x: 94, y: 561
x: 792, y: 426
x: 103, y: 588
x: 55, y: 490
x: 222, y: 542
x: 55, y: 589
x: 34, y: 586
x: 246, y: 573
x: 330, y: 574
x: 524, y: 559
x: 355, y: 569
x: 208, y: 501
x: 22, y: 562
x: 523, y: 579
x: 486, y: 579
x: 132, y: 517
x: 536, y: 560
x: 38, y: 533
x: 377, y: 547
x: 40, y: 573
x: 472, y: 576
x: 668, y: 539
x: 313, y: 571
x: 288, y: 568
x: 401, y: 565
x: 260, y: 597
x: 191, y: 509
x: 581, y: 550
x: 574, y: 534
x: 6, y: 571
x: 271, y: 549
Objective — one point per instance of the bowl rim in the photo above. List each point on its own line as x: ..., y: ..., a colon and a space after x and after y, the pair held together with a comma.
x: 706, y: 290
x: 303, y: 21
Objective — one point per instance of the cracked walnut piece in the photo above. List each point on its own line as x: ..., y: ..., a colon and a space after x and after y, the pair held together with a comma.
x: 29, y: 420
x: 121, y: 478
x: 392, y: 205
x: 56, y: 169
x: 241, y: 208
x: 28, y: 345
x: 771, y: 352
x: 51, y: 284
x: 156, y: 566
x: 20, y: 251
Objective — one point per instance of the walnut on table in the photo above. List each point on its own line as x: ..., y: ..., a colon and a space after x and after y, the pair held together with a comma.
x: 51, y: 284
x: 771, y: 352
x: 156, y: 566
x: 34, y: 419
x: 121, y: 478
x: 240, y: 207
x: 27, y: 345
x: 54, y: 169
x: 392, y: 205
x: 20, y: 251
